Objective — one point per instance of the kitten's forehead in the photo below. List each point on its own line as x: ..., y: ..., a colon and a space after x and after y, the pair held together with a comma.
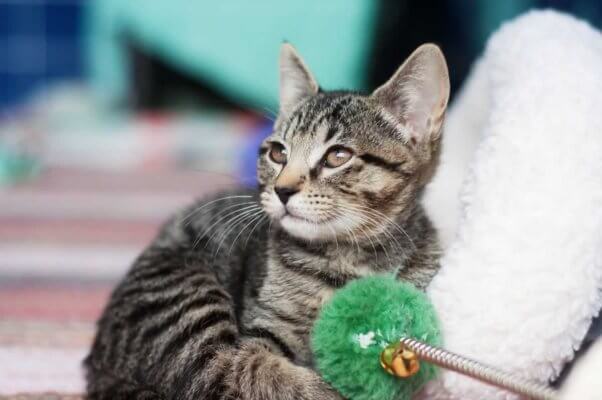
x: 341, y: 117
x: 322, y: 117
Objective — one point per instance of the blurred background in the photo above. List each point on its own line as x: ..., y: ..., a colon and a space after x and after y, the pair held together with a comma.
x: 113, y: 114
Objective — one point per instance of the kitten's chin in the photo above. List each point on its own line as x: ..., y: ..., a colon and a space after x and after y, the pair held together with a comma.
x: 307, y: 230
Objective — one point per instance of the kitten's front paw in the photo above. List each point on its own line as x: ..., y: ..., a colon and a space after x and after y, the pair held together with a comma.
x: 259, y: 374
x: 315, y: 387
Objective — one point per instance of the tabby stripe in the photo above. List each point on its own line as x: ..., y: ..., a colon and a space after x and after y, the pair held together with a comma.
x: 204, y: 351
x: 300, y: 244
x: 118, y: 336
x: 347, y: 171
x: 215, y: 389
x: 134, y: 385
x: 217, y: 382
x: 334, y: 281
x: 145, y: 293
x: 302, y: 331
x: 279, y: 314
x: 334, y: 117
x: 191, y: 374
x: 349, y: 192
x: 161, y: 267
x: 186, y: 384
x: 308, y: 118
x: 317, y: 124
x: 335, y: 114
x: 181, y: 338
x: 172, y: 269
x: 267, y: 334
x: 292, y: 122
x: 207, y: 300
x: 161, y: 285
x: 332, y: 114
x: 195, y: 237
x: 332, y: 130
x: 380, y: 162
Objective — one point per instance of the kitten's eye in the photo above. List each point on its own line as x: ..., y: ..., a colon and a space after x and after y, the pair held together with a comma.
x: 278, y: 153
x: 337, y: 156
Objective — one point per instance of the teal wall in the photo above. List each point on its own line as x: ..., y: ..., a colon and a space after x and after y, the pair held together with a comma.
x: 232, y: 44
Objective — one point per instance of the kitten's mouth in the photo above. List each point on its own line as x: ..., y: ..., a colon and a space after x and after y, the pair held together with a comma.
x: 296, y: 217
x: 311, y: 227
x: 290, y: 214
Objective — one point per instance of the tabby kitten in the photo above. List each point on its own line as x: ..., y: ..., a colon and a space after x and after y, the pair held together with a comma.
x: 221, y: 304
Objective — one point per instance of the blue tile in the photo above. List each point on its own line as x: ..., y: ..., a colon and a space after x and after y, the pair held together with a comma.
x: 21, y: 18
x: 64, y: 58
x: 64, y: 19
x: 23, y: 55
x: 16, y: 89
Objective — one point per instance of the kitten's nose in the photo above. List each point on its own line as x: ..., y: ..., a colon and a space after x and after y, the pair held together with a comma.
x: 285, y: 192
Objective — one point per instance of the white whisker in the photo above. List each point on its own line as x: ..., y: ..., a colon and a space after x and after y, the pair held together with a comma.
x: 221, y: 218
x: 374, y: 222
x: 254, y: 218
x: 198, y: 209
x: 255, y: 227
x: 241, y: 218
x: 390, y: 221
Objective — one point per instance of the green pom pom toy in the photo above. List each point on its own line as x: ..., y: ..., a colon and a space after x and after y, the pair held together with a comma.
x: 369, y: 340
x: 364, y: 318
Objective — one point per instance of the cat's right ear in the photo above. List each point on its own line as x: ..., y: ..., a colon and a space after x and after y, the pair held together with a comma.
x: 416, y: 96
x: 296, y: 81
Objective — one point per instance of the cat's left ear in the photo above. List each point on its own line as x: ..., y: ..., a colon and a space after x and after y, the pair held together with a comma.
x: 416, y: 96
x: 296, y: 81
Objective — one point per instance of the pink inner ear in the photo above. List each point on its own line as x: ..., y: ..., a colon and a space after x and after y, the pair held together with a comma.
x: 417, y: 93
x: 424, y: 102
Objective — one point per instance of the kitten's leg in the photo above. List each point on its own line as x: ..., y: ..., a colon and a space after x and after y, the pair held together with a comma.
x: 170, y: 332
x: 251, y: 371
x: 166, y: 320
x: 107, y: 386
x: 257, y: 373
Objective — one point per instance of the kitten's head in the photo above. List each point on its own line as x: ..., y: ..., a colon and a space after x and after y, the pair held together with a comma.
x: 344, y: 165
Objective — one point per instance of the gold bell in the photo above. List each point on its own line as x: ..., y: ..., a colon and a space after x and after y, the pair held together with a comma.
x: 397, y: 360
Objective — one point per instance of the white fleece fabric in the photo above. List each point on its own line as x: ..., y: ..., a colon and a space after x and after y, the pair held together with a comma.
x: 518, y: 201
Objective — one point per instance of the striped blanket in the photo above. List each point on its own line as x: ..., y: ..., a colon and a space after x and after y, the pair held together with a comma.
x: 65, y: 239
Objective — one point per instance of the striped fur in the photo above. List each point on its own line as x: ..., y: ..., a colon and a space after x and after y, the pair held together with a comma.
x: 221, y: 304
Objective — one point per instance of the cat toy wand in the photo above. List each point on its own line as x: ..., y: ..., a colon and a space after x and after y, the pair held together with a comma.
x: 402, y: 359
x: 377, y: 324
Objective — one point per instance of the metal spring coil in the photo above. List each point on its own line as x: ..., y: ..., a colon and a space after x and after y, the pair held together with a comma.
x: 474, y: 369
